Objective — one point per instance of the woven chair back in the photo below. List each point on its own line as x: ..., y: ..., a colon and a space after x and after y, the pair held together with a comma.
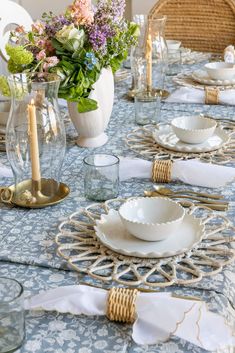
x: 203, y: 25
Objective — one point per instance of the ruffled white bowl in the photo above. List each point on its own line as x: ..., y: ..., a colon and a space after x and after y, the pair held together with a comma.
x: 151, y: 219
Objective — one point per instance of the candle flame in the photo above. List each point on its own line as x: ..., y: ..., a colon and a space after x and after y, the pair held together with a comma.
x: 32, y: 102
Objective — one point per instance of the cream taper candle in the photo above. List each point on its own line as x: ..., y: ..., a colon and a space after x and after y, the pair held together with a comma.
x: 34, y: 151
x: 148, y: 55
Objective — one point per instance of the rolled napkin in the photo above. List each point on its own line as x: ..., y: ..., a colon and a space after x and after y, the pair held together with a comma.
x: 157, y: 316
x: 194, y: 95
x: 191, y: 172
x: 229, y: 54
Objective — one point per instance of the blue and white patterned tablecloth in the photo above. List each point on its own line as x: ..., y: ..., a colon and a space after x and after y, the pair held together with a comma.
x: 28, y: 251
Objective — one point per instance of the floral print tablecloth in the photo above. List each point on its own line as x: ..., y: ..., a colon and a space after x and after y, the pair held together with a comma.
x: 28, y: 250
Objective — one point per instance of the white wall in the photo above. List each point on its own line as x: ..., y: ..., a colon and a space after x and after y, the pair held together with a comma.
x: 142, y: 6
x: 37, y: 7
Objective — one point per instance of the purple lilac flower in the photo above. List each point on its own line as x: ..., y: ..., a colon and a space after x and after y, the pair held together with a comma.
x: 110, y: 9
x: 98, y: 35
x: 56, y: 24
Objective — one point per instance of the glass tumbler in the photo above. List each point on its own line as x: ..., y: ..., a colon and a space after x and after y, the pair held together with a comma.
x: 12, y: 328
x: 147, y: 107
x: 101, y: 177
x: 174, y: 61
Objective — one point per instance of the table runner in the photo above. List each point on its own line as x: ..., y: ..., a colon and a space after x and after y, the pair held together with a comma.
x: 27, y: 238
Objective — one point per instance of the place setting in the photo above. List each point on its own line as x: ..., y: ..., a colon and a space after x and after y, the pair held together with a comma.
x: 186, y: 137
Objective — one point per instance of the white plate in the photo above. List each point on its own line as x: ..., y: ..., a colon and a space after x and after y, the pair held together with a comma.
x: 111, y: 232
x: 202, y: 76
x: 166, y: 137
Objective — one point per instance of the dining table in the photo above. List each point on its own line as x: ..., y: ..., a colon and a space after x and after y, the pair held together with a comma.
x: 28, y: 250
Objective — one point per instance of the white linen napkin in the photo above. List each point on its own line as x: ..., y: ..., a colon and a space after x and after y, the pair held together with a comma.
x: 194, y: 95
x: 191, y: 172
x: 159, y: 315
x: 229, y: 54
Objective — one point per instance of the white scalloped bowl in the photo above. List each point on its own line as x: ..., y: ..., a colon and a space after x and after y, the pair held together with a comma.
x: 151, y: 219
x: 220, y: 70
x: 173, y: 44
x: 193, y: 129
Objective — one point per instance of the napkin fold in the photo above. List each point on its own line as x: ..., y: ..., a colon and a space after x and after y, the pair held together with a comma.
x: 194, y: 95
x: 191, y: 172
x: 159, y: 315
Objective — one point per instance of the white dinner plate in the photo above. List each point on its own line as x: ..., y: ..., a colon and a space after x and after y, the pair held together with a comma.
x: 165, y: 137
x: 202, y: 76
x: 111, y: 232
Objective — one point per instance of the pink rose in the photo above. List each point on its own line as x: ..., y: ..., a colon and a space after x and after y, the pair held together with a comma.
x: 38, y: 27
x: 51, y: 61
x: 41, y: 55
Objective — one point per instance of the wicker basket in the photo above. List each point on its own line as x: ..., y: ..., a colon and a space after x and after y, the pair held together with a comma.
x: 203, y: 25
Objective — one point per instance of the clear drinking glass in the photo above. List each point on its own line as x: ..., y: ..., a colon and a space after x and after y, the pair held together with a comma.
x: 174, y: 61
x: 147, y: 107
x: 12, y: 329
x: 101, y: 176
x: 148, y: 91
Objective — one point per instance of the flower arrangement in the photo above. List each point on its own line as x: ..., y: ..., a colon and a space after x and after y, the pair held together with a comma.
x: 76, y: 46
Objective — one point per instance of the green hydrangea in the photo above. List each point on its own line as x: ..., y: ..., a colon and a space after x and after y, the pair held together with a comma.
x: 19, y: 55
x: 4, y: 87
x: 13, y: 67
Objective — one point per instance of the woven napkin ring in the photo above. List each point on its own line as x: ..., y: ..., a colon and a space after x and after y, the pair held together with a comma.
x: 211, y: 95
x: 121, y: 305
x: 161, y: 171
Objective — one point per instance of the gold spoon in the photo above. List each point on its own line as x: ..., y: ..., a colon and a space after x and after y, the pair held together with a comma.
x: 166, y: 191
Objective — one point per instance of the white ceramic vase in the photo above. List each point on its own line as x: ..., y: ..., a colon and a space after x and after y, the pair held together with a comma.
x: 91, y: 125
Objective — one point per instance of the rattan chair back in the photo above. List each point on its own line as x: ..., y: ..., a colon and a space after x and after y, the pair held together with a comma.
x: 204, y: 25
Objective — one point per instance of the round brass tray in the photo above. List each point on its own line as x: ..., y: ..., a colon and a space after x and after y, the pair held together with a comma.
x: 8, y: 196
x: 164, y: 94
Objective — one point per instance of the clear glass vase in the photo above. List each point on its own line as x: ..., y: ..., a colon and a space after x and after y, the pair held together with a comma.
x: 149, y: 66
x: 35, y: 139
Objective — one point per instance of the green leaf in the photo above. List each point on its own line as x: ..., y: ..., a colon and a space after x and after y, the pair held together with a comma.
x: 87, y: 105
x: 57, y: 45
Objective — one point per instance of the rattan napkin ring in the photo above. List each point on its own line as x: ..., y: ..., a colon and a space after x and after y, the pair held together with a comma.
x: 121, y: 305
x: 211, y: 95
x: 161, y: 171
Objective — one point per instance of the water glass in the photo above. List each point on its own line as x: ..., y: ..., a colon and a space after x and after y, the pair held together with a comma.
x: 174, y: 61
x: 147, y: 107
x: 12, y: 329
x: 101, y: 176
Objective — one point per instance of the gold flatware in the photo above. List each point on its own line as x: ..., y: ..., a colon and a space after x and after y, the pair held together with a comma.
x: 196, y: 198
x: 166, y: 192
x: 214, y: 207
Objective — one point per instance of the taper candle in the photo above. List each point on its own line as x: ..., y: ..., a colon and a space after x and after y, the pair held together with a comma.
x: 33, y: 134
x: 148, y: 55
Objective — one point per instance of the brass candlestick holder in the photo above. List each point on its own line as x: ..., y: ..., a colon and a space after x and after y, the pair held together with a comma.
x: 35, y: 142
x: 41, y: 198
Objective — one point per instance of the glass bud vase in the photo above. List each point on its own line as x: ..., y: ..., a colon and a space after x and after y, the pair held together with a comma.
x: 35, y: 140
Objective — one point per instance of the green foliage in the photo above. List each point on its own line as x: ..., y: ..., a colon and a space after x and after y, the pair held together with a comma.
x: 19, y: 55
x: 4, y: 87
